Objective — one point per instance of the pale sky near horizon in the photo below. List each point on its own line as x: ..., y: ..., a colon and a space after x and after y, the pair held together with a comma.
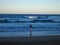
x: 30, y: 6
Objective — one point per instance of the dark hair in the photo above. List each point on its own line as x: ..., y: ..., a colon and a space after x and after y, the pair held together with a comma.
x: 30, y: 26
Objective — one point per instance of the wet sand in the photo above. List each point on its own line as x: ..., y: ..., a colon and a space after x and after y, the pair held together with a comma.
x: 34, y: 43
x: 48, y: 40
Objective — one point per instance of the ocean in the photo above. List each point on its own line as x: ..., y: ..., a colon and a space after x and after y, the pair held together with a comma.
x: 20, y: 25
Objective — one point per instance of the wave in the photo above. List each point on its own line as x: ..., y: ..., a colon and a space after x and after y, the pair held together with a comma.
x: 33, y: 21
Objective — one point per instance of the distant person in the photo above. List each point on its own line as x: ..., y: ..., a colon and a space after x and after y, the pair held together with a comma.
x: 30, y: 30
x: 30, y: 26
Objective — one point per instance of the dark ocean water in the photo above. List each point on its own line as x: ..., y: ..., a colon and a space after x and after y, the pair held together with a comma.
x: 19, y: 24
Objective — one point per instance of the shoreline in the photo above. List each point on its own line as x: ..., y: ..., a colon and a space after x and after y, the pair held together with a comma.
x: 29, y: 39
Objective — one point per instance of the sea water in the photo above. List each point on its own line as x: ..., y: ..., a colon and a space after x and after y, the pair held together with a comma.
x: 19, y: 29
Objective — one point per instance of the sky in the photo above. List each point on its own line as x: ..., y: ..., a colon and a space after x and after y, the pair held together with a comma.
x: 29, y: 6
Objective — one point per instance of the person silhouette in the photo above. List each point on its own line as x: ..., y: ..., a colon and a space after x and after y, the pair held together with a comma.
x: 30, y: 26
x: 30, y: 30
